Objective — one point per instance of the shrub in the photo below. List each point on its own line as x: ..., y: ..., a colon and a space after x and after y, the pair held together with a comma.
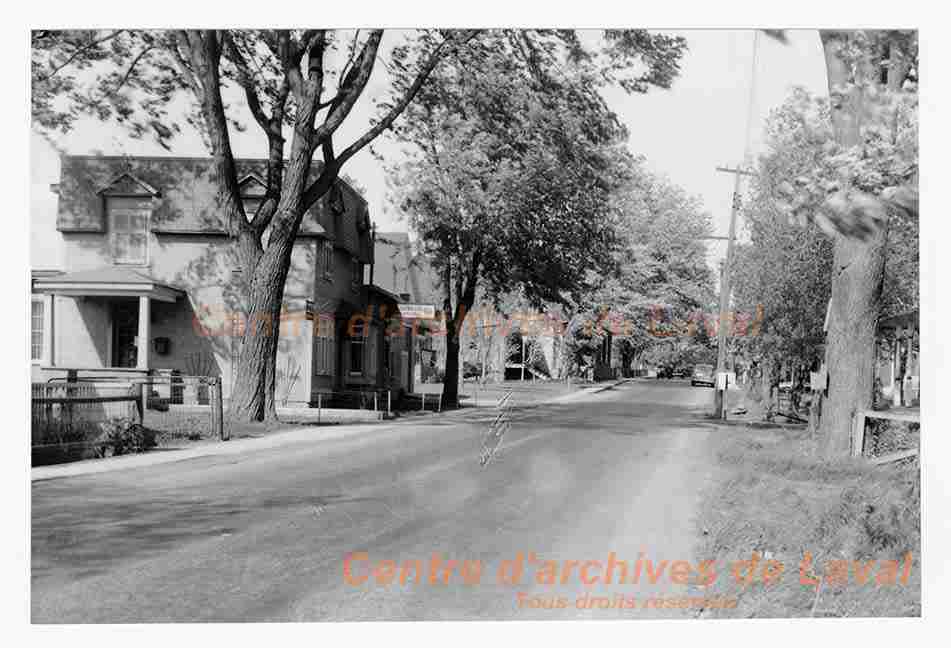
x: 57, y: 442
x: 123, y: 436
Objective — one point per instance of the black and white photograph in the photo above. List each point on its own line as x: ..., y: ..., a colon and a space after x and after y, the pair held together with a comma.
x: 474, y: 323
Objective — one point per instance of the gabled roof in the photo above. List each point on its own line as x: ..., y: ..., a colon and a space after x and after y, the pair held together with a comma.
x: 126, y: 183
x: 252, y: 182
x: 398, y: 270
x: 184, y: 198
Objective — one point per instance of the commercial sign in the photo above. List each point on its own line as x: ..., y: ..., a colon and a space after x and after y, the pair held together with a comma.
x: 417, y: 311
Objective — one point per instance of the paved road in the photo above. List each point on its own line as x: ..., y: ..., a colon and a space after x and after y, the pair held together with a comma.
x: 263, y: 536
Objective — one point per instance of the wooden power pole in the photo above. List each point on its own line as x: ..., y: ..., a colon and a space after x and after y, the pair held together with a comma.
x: 719, y: 395
x: 719, y: 408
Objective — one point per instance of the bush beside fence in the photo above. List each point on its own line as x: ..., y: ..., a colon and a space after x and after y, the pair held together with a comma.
x: 91, y: 418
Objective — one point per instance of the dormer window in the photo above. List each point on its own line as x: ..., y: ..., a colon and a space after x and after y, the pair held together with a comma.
x: 253, y: 190
x: 129, y: 229
x: 128, y: 204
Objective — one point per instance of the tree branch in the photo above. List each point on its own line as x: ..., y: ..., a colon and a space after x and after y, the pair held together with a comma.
x: 353, y: 86
x: 435, y: 57
x: 346, y: 67
x: 185, y: 66
x: 81, y: 50
x: 246, y: 80
x: 128, y: 72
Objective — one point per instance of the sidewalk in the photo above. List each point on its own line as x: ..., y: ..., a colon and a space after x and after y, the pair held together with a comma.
x: 293, y: 435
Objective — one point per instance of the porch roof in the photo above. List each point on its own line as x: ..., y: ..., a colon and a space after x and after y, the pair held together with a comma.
x: 110, y: 281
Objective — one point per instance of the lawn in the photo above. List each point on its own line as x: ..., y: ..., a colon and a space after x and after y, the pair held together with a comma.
x: 776, y: 499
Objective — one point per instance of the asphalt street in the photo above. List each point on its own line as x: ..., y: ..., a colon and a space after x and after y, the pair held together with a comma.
x: 323, y: 530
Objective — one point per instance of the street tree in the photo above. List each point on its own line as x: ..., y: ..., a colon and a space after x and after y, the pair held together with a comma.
x: 661, y: 281
x: 513, y: 161
x: 866, y: 177
x: 786, y: 267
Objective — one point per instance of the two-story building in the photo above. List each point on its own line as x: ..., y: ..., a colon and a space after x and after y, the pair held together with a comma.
x: 148, y: 283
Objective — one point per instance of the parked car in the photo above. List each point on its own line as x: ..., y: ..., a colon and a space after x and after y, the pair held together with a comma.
x: 671, y: 372
x: 702, y: 375
x: 665, y: 372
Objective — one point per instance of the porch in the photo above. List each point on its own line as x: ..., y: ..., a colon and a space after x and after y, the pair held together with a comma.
x: 100, y: 322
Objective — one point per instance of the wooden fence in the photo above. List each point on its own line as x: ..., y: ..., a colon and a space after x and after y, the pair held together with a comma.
x: 67, y: 418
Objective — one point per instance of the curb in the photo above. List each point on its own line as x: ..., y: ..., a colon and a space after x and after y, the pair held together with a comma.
x: 235, y: 446
x: 587, y: 391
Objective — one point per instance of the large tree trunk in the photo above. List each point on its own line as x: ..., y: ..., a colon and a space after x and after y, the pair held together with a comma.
x: 858, y: 268
x: 450, y: 381
x: 850, y: 341
x: 450, y: 384
x: 253, y: 395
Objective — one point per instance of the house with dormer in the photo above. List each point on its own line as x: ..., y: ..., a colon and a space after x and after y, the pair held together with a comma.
x: 147, y: 282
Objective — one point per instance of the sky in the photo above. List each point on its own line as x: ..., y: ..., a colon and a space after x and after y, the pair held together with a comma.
x: 684, y: 132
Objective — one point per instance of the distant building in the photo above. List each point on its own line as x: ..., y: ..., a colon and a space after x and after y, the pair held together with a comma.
x: 398, y: 270
x: 491, y: 345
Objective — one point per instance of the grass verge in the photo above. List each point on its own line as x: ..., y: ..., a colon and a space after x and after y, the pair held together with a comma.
x: 776, y: 499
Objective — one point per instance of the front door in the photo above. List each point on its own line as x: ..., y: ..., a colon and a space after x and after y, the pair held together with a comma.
x: 125, y: 330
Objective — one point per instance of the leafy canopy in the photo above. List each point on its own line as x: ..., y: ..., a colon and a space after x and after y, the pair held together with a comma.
x: 514, y: 158
x: 852, y: 189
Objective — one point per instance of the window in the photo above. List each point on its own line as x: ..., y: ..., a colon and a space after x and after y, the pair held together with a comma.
x: 129, y: 229
x: 357, y: 349
x: 37, y: 329
x: 251, y: 206
x: 325, y: 260
x: 324, y: 346
x: 357, y: 280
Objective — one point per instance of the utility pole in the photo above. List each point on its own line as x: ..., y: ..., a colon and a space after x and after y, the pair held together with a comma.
x: 719, y: 395
x: 719, y: 408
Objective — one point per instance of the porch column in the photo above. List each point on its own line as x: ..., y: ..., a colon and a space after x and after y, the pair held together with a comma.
x: 896, y: 365
x: 906, y: 377
x: 142, y: 355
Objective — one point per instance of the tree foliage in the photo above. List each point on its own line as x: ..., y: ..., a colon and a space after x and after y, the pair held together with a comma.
x: 786, y: 267
x: 515, y: 159
x: 853, y: 188
x: 660, y: 281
